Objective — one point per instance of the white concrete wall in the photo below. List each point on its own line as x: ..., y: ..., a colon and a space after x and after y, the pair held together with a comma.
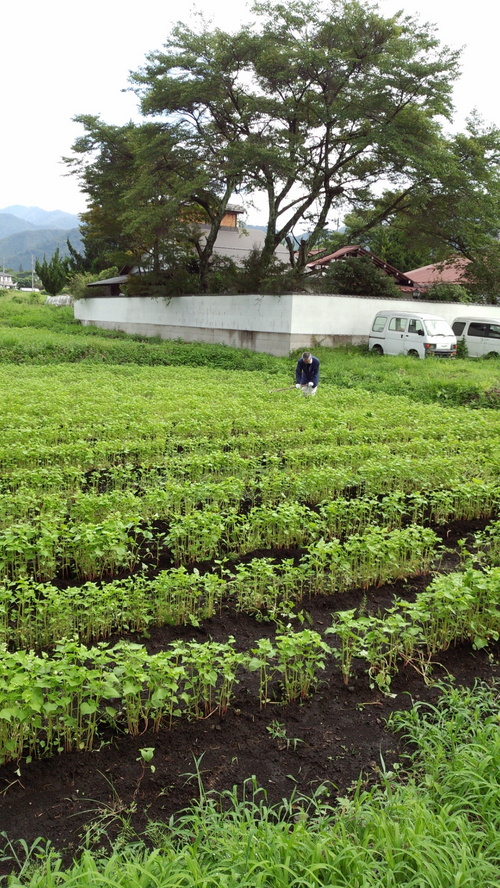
x: 261, y: 323
x: 264, y: 313
x: 272, y: 324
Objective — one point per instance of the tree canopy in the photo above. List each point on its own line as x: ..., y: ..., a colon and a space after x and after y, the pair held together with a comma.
x: 313, y: 105
x: 323, y: 108
x: 454, y: 210
x: 358, y: 277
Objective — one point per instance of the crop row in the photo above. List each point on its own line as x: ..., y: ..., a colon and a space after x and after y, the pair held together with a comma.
x: 94, y: 416
x: 55, y: 705
x: 149, y: 489
x: 107, y: 534
x: 60, y: 703
x: 454, y: 607
x: 122, y: 462
x: 487, y: 544
x: 36, y: 615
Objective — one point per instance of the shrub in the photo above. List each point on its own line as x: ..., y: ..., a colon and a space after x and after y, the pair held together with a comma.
x: 77, y: 283
x: 446, y: 292
x: 357, y: 277
x: 175, y: 281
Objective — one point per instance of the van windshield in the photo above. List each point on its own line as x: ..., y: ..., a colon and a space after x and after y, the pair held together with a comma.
x: 438, y: 328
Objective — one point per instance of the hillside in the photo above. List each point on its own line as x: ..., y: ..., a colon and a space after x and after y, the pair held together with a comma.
x: 38, y: 218
x: 17, y: 250
x: 10, y: 224
x: 30, y: 233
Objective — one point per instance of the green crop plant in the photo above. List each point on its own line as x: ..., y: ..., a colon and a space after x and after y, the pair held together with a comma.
x: 326, y: 566
x: 209, y: 675
x: 384, y: 646
x: 344, y: 517
x: 350, y: 628
x: 30, y: 548
x: 283, y: 526
x: 459, y: 606
x: 262, y: 659
x: 100, y: 549
x: 195, y: 536
x: 254, y: 586
x: 453, y: 608
x: 38, y: 614
x: 49, y: 705
x: 177, y: 596
x: 164, y: 690
x: 371, y: 558
x: 92, y: 508
x: 300, y: 657
x: 129, y: 671
x: 487, y: 544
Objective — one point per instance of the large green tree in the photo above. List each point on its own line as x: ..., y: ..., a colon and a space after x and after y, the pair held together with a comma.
x: 111, y: 169
x: 148, y: 191
x: 314, y: 105
x: 453, y: 210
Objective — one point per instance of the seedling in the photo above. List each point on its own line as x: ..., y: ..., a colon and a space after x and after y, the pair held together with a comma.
x: 277, y: 731
x: 145, y: 757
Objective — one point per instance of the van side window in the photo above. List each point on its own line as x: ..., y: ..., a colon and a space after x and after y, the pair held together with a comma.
x: 477, y: 329
x: 458, y: 327
x: 398, y: 324
x: 379, y: 324
x: 494, y: 331
x: 415, y: 326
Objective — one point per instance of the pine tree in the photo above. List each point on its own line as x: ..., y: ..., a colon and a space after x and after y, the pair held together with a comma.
x: 53, y: 274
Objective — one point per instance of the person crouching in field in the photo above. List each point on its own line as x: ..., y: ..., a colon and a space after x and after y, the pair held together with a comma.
x: 307, y: 374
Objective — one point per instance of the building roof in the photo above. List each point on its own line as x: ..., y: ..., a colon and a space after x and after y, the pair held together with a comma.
x: 356, y: 251
x: 439, y: 273
x: 120, y: 279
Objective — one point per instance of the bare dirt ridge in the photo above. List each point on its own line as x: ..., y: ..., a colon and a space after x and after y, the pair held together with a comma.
x: 333, y: 739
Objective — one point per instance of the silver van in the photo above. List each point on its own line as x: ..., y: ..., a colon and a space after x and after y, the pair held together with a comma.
x: 481, y: 335
x: 411, y: 333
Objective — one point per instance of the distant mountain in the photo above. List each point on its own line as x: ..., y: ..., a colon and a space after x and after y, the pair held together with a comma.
x: 42, y: 218
x: 17, y: 251
x: 10, y: 224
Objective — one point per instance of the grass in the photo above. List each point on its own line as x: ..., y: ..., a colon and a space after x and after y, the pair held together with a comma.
x: 39, y: 334
x: 436, y: 824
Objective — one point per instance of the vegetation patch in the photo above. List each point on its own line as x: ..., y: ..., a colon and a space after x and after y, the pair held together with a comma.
x: 226, y: 612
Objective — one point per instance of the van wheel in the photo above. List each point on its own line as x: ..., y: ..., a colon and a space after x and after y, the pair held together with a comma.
x: 413, y: 353
x: 492, y: 355
x: 377, y: 350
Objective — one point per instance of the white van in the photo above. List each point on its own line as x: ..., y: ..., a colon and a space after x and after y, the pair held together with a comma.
x: 412, y: 333
x: 481, y: 335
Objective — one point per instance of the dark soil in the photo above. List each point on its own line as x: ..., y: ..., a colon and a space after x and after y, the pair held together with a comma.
x: 333, y: 739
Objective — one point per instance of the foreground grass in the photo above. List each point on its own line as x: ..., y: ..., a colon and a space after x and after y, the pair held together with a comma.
x: 435, y: 825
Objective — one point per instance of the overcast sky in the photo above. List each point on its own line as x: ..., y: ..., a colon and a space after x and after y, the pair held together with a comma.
x: 59, y: 60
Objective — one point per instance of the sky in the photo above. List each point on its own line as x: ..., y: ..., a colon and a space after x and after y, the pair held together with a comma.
x: 57, y: 61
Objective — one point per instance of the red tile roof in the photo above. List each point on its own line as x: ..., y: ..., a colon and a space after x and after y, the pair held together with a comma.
x: 439, y: 273
x: 403, y: 280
